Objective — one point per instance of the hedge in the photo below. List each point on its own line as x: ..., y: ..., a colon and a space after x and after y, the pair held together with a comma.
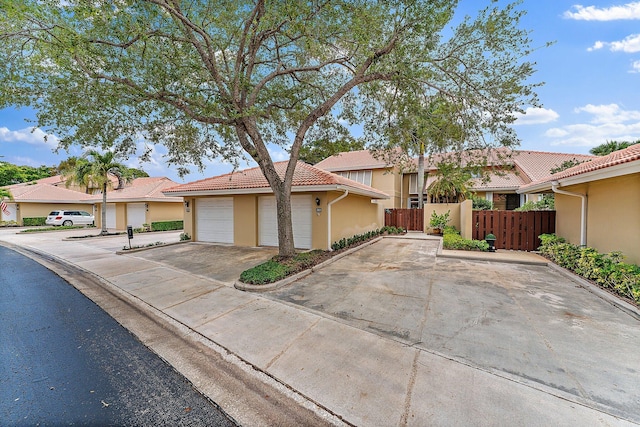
x: 451, y: 239
x: 358, y: 238
x: 607, y: 270
x: 167, y: 225
x: 30, y: 222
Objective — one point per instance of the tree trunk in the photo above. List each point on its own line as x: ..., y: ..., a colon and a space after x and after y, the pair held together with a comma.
x: 286, y: 244
x: 104, y: 209
x: 421, y: 178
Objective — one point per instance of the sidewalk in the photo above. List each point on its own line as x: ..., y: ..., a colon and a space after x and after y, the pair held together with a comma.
x: 357, y: 377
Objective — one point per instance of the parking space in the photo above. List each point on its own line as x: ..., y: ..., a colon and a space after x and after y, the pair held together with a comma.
x: 223, y: 263
x: 526, y: 323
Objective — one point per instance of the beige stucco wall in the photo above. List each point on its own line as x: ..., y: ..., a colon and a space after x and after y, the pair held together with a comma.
x: 352, y: 215
x: 349, y: 216
x: 613, y: 215
x: 245, y: 220
x: 389, y: 182
x: 165, y: 211
x: 33, y: 210
x: 441, y: 208
x: 189, y: 217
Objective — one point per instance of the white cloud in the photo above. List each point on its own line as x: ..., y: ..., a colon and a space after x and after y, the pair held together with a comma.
x: 635, y: 67
x: 608, y: 122
x: 33, y: 136
x: 611, y: 113
x: 597, y: 45
x: 278, y: 154
x: 534, y: 116
x: 593, y: 13
x: 629, y: 44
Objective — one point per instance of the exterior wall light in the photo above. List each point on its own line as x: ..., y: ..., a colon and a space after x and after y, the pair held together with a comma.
x: 317, y: 201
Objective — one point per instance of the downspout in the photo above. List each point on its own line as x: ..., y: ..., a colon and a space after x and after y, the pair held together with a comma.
x: 346, y: 193
x: 583, y: 214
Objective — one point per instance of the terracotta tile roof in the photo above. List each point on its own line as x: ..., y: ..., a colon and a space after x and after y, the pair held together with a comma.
x: 47, y: 193
x: 352, y: 160
x: 141, y: 189
x: 538, y: 164
x: 252, y: 179
x: 507, y: 180
x: 628, y: 155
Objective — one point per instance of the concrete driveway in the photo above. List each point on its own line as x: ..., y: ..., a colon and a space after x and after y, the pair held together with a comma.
x: 223, y: 263
x: 529, y: 324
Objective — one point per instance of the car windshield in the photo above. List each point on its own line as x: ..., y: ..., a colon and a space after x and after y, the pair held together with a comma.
x: 53, y: 213
x: 83, y: 213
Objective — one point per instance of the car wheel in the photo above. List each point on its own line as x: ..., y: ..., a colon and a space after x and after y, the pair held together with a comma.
x: 67, y: 223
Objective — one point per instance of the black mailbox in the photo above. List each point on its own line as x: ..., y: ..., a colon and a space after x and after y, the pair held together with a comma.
x: 130, y: 232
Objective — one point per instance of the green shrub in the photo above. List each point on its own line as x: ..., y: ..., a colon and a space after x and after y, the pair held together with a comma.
x: 452, y: 240
x: 546, y: 204
x: 359, y: 238
x: 267, y: 272
x: 607, y: 270
x: 34, y: 221
x: 167, y: 225
x: 481, y: 204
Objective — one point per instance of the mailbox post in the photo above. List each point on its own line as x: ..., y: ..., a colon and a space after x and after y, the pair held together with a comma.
x: 129, y: 234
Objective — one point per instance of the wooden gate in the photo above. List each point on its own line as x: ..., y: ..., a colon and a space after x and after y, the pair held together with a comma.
x: 409, y: 219
x: 514, y: 230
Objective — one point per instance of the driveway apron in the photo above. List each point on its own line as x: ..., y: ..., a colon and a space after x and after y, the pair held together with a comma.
x: 525, y: 323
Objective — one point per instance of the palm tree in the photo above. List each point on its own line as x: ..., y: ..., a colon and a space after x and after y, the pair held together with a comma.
x: 94, y: 168
x: 451, y: 185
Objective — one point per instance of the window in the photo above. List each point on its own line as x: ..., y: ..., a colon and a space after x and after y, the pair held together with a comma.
x: 362, y: 176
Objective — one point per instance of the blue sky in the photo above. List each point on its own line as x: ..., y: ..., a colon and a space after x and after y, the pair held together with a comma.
x: 591, y: 93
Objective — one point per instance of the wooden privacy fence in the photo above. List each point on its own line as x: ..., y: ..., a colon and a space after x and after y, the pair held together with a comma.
x: 514, y: 230
x: 409, y: 219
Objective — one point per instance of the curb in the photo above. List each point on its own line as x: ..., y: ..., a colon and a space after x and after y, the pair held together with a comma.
x: 596, y: 290
x: 145, y: 248
x: 280, y: 283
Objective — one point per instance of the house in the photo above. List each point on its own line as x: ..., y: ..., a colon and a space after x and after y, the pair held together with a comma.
x: 507, y: 171
x: 139, y: 202
x: 239, y: 208
x: 510, y: 169
x: 598, y: 202
x: 37, y: 200
x: 364, y: 167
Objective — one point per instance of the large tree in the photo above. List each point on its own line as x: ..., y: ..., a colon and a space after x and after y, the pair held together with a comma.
x: 222, y: 78
x: 95, y: 169
x: 16, y: 174
x: 420, y: 123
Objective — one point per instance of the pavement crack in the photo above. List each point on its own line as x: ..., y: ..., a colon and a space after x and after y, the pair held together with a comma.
x: 288, y: 346
x: 412, y: 381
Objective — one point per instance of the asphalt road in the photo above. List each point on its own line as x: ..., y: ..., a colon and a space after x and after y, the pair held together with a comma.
x: 64, y: 361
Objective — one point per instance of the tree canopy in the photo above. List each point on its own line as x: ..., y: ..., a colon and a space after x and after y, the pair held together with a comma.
x: 611, y: 146
x: 15, y: 174
x: 224, y: 79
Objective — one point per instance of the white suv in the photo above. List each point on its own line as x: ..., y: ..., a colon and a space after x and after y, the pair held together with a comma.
x: 70, y: 218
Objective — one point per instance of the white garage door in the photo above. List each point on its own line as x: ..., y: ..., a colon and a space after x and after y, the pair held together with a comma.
x: 214, y: 220
x: 301, y: 208
x: 111, y: 215
x: 136, y: 214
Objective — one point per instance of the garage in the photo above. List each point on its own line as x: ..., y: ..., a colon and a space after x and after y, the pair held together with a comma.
x: 214, y: 219
x: 136, y: 214
x: 301, y: 209
x: 111, y: 215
